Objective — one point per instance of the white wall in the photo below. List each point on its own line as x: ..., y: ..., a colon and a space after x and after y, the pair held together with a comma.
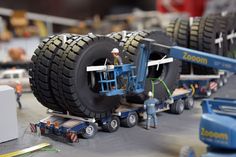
x: 29, y: 44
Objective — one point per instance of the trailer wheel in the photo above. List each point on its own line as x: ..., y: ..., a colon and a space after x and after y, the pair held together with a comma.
x: 187, y: 151
x: 130, y: 121
x: 225, y: 79
x: 214, y: 90
x: 177, y: 107
x: 112, y: 125
x: 189, y: 103
x: 208, y: 93
x: 220, y: 82
x: 90, y: 131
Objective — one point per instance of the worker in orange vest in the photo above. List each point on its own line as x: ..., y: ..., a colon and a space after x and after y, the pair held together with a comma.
x: 18, y: 93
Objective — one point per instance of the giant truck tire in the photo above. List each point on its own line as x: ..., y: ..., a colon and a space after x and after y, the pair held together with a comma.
x: 227, y: 28
x: 231, y: 27
x: 203, y: 34
x: 56, y: 74
x: 40, y: 71
x: 121, y: 37
x: 81, y: 88
x: 179, y: 30
x: 169, y: 73
x: 117, y: 36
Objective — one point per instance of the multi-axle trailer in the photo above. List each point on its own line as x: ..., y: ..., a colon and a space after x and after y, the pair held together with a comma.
x: 69, y: 128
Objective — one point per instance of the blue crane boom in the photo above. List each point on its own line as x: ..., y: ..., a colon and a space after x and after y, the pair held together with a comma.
x: 193, y: 56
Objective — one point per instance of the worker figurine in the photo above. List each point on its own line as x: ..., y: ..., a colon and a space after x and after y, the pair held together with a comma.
x: 150, y: 107
x: 117, y: 59
x: 18, y: 93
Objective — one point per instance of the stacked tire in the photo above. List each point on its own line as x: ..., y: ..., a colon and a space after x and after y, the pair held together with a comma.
x: 40, y: 71
x: 59, y: 79
x: 179, y: 30
x: 206, y: 35
x: 60, y: 82
x: 169, y: 73
x: 210, y: 34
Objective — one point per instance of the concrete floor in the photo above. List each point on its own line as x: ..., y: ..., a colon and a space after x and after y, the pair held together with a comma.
x: 174, y: 131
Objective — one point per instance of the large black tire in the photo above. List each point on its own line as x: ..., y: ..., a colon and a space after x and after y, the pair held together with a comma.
x: 56, y: 74
x: 203, y: 33
x: 227, y: 26
x: 169, y: 73
x: 119, y: 37
x: 40, y: 71
x: 179, y: 30
x: 231, y: 26
x: 79, y: 92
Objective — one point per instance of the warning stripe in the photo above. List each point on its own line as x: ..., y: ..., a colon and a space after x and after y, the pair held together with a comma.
x: 33, y: 128
x: 74, y: 137
x: 213, y: 85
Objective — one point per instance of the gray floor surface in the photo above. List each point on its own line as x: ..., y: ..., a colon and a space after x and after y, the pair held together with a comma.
x: 173, y: 132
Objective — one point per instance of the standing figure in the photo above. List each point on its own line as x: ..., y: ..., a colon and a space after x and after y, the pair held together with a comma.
x: 18, y: 93
x: 150, y: 107
x: 116, y: 54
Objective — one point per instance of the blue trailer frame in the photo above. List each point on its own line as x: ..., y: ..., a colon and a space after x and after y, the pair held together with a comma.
x: 67, y: 128
x: 204, y: 86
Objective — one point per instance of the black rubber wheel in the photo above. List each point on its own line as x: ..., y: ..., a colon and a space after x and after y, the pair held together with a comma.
x: 187, y: 151
x: 80, y: 88
x: 90, y: 131
x: 130, y: 121
x: 117, y: 36
x: 177, y: 107
x: 203, y: 33
x: 169, y: 73
x: 220, y: 82
x: 40, y: 71
x: 231, y: 27
x: 227, y: 28
x: 189, y: 103
x: 225, y: 79
x: 121, y: 37
x: 56, y: 74
x: 173, y: 108
x: 179, y: 30
x: 208, y: 93
x: 214, y: 90
x: 112, y: 125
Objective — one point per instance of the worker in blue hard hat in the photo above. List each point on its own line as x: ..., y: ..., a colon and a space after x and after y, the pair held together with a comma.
x: 116, y: 54
x: 150, y: 107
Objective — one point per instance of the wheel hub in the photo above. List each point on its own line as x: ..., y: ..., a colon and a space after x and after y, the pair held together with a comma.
x: 89, y: 130
x: 114, y: 124
x: 182, y: 107
x: 132, y: 119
